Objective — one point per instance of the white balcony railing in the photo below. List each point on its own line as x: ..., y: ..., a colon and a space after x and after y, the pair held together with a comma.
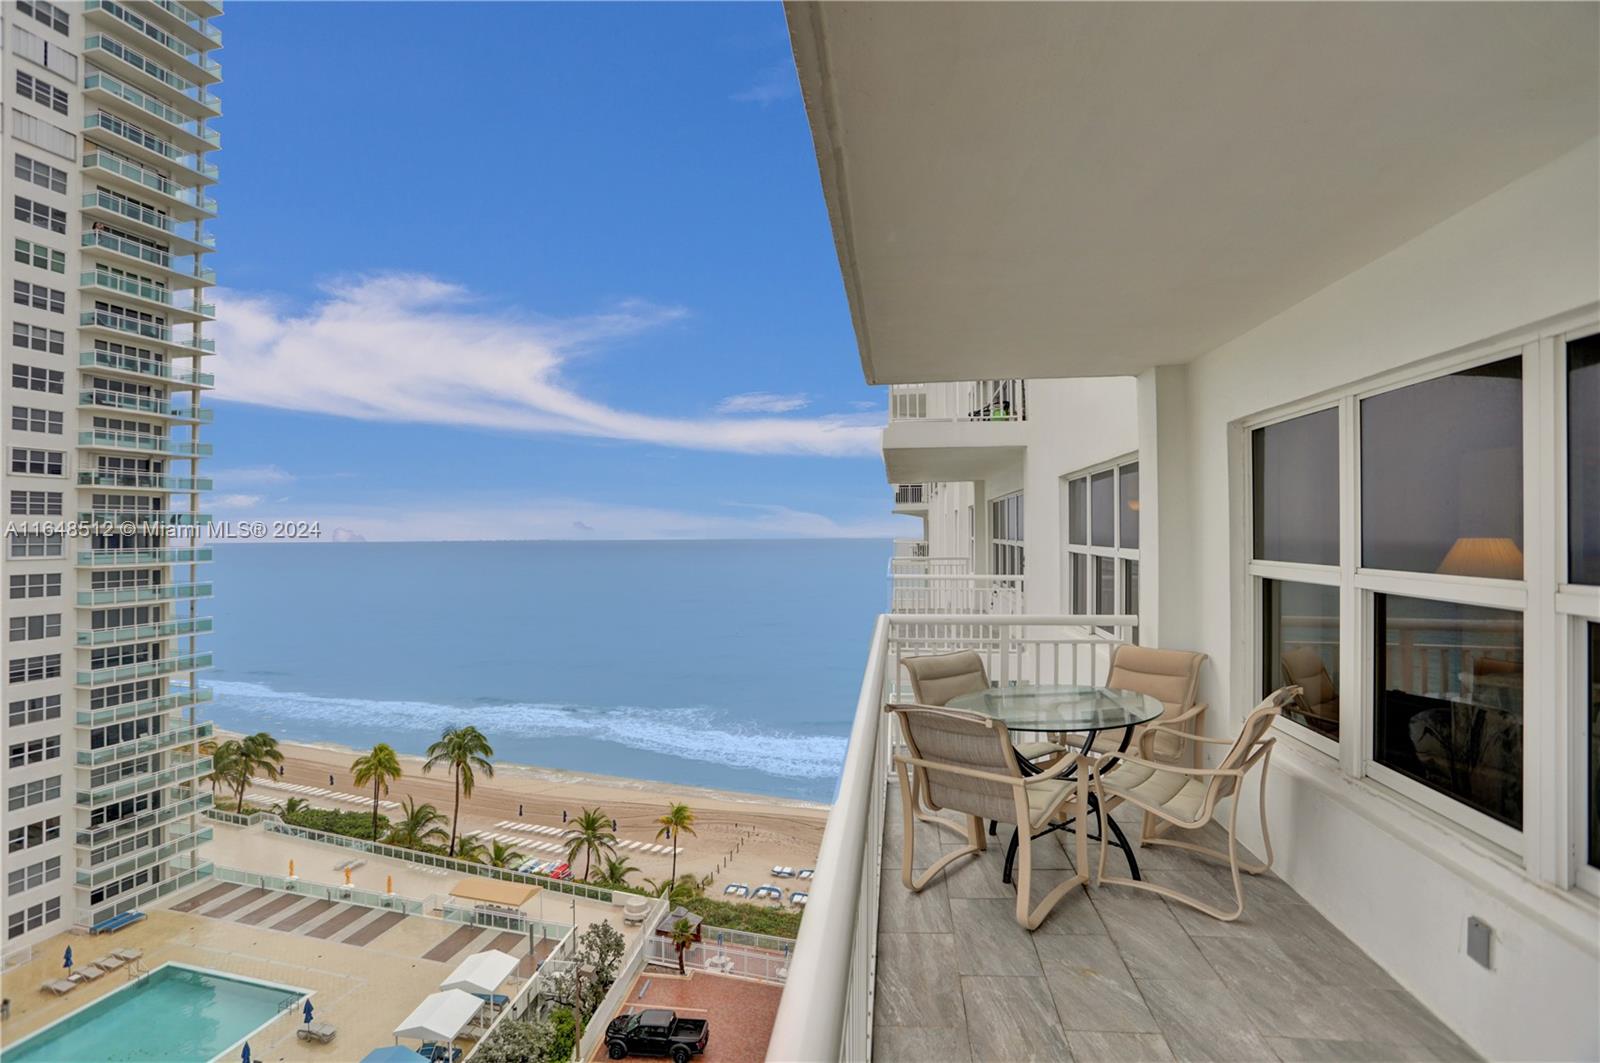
x: 954, y: 565
x: 911, y: 548
x: 960, y: 400
x: 954, y: 591
x: 826, y: 1010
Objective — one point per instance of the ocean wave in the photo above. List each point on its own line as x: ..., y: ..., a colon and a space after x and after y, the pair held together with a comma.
x: 691, y: 732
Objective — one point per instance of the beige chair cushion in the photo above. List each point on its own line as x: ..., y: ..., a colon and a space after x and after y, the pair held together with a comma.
x: 937, y: 678
x: 1046, y: 798
x: 1169, y: 676
x: 966, y: 740
x: 1180, y: 796
x: 1035, y: 750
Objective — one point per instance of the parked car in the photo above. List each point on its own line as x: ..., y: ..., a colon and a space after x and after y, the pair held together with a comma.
x: 561, y: 871
x: 657, y: 1032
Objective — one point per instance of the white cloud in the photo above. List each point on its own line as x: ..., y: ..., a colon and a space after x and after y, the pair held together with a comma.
x: 777, y: 82
x: 403, y: 347
x: 566, y: 518
x: 762, y: 402
x: 247, y: 475
x: 235, y: 501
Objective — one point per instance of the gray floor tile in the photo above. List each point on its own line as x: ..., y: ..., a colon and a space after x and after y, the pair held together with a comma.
x: 1152, y: 942
x: 1073, y: 914
x: 917, y: 984
x: 1202, y: 1020
x: 990, y: 941
x: 1092, y: 987
x: 920, y: 1044
x: 902, y: 911
x: 1302, y: 1050
x: 1100, y: 1047
x: 979, y: 879
x: 1013, y: 1019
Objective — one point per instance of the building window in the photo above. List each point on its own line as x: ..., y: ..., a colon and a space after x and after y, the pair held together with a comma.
x: 41, y: 91
x: 33, y: 835
x: 36, y: 504
x: 1005, y: 523
x: 1583, y: 460
x: 1300, y: 647
x: 1448, y: 700
x: 35, y: 338
x: 35, y: 916
x: 37, y: 462
x: 28, y: 669
x: 36, y: 792
x: 45, y: 176
x: 39, y: 297
x: 41, y: 214
x: 33, y: 419
x: 33, y: 378
x: 33, y: 876
x: 31, y: 254
x: 1441, y: 474
x: 28, y: 545
x: 33, y: 710
x: 1295, y: 474
x: 30, y: 628
x: 34, y: 751
x: 1102, y: 548
x: 49, y: 14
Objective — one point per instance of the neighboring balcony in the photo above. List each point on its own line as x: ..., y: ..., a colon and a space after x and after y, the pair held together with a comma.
x: 184, y: 843
x: 943, y: 588
x: 152, y: 407
x: 955, y: 431
x: 125, y: 214
x: 124, y: 673
x: 161, y: 629
x: 156, y: 592
x: 145, y: 481
x: 912, y: 499
x: 185, y: 59
x: 123, y: 365
x: 184, y: 131
x: 151, y: 297
x: 182, y: 23
x: 174, y: 736
x: 146, y: 258
x: 189, y: 555
x: 90, y: 718
x: 910, y: 548
x: 149, y: 75
x: 144, y: 443
x: 89, y: 837
x: 143, y: 784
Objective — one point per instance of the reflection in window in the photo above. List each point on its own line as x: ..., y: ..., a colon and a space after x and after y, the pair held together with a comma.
x: 1105, y: 592
x: 1583, y: 460
x: 1103, y: 508
x: 1593, y: 672
x: 1300, y: 646
x: 1080, y: 583
x: 1441, y: 474
x: 1296, y: 481
x: 1078, y: 511
x: 1130, y: 594
x: 1448, y: 700
x: 1128, y: 506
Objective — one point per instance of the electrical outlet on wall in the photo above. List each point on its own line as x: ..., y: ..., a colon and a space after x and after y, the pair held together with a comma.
x: 1480, y: 936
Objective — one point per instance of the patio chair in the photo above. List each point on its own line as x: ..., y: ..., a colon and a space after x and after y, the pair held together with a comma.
x: 937, y: 678
x: 320, y: 1032
x: 59, y: 986
x: 969, y: 766
x: 1172, y: 678
x: 110, y: 963
x: 1174, y: 797
x: 86, y: 973
x: 128, y: 954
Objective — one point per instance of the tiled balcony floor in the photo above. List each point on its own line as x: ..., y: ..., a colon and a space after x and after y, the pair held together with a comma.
x: 1120, y: 974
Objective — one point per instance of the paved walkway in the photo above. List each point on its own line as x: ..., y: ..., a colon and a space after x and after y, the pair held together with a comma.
x: 1120, y: 974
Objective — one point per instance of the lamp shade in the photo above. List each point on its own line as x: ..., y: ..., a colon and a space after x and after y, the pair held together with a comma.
x: 1489, y: 558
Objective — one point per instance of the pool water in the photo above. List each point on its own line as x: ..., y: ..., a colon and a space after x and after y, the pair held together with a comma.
x: 174, y: 1014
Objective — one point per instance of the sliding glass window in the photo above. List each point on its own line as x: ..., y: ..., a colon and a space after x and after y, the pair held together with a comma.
x: 1101, y: 562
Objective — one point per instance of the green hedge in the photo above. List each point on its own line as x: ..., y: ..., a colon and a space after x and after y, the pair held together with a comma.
x: 337, y: 821
x: 755, y: 918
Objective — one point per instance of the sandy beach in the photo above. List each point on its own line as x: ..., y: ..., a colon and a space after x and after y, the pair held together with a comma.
x: 739, y: 837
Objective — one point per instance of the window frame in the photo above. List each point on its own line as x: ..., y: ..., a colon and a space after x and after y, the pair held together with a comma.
x: 1118, y: 555
x: 1552, y: 844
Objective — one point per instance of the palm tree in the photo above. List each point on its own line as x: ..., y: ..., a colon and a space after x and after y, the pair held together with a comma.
x: 290, y: 807
x: 676, y: 820
x: 222, y: 755
x: 502, y: 855
x: 418, y: 826
x: 679, y: 890
x: 591, y: 835
x: 470, y: 848
x: 616, y: 872
x: 462, y: 750
x: 380, y: 768
x: 255, y: 753
x: 682, y: 937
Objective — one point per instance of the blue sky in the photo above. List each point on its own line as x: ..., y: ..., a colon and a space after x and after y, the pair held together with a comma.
x: 531, y: 271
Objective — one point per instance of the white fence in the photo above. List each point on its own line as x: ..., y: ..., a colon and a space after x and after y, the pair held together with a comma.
x: 960, y: 400
x: 910, y: 548
x: 742, y: 961
x: 963, y: 593
x: 952, y: 565
x: 826, y: 1013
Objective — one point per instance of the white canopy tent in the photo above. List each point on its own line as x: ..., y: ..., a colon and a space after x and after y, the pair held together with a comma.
x: 482, y: 972
x: 440, y: 1017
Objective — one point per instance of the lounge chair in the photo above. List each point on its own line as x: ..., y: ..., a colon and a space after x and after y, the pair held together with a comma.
x: 321, y: 1032
x: 110, y: 963
x: 128, y: 954
x: 59, y: 986
x: 86, y: 973
x: 968, y: 765
x: 1182, y: 798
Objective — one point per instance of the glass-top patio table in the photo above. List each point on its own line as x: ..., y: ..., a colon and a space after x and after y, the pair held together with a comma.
x: 1062, y: 710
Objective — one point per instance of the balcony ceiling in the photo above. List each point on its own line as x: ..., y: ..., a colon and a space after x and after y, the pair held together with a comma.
x: 1090, y: 189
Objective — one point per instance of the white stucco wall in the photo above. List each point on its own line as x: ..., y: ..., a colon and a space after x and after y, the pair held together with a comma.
x: 1398, y: 881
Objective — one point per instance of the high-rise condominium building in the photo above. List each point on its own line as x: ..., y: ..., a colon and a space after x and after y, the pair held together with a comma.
x: 106, y: 110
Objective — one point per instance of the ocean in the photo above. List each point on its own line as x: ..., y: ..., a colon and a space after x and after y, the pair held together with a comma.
x: 727, y: 664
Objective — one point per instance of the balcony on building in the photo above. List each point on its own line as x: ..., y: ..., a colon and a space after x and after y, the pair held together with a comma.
x: 130, y: 367
x: 145, y: 70
x: 181, y: 270
x: 954, y: 431
x: 1360, y: 202
x: 183, y: 133
x: 176, y: 50
x: 911, y: 499
x: 140, y: 294
x: 141, y: 442
x: 107, y: 209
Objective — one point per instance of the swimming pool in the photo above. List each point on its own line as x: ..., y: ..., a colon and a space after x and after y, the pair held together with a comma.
x: 174, y: 1014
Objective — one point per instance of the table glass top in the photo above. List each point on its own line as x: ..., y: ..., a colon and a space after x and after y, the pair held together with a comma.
x: 1061, y: 708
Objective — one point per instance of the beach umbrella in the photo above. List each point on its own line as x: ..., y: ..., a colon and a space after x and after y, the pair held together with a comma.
x: 66, y: 960
x: 347, y: 876
x: 244, y: 1057
x: 307, y: 1011
x: 291, y: 869
x: 388, y: 884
